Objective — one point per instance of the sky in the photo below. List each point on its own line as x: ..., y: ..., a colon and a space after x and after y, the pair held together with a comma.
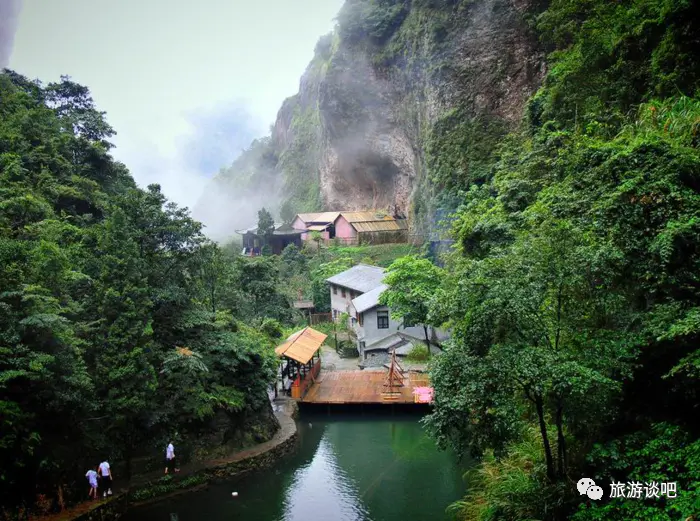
x: 186, y: 84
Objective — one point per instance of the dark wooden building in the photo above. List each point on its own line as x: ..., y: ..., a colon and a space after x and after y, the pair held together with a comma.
x: 280, y: 239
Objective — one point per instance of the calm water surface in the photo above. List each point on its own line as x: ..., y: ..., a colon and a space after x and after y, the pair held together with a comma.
x: 346, y: 469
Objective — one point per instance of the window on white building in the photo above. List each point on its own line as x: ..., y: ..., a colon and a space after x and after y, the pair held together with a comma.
x: 382, y: 320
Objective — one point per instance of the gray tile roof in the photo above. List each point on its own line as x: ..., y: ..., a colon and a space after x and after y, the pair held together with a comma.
x: 368, y: 300
x: 390, y: 342
x: 280, y: 229
x: 361, y: 278
x: 254, y: 229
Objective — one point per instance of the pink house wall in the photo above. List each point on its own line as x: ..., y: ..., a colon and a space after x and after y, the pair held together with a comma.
x: 344, y: 229
x: 298, y: 224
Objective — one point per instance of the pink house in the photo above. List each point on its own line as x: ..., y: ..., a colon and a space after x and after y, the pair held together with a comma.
x: 315, y: 222
x: 353, y: 227
x: 344, y: 230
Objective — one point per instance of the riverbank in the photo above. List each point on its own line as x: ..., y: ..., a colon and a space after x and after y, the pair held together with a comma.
x: 156, y: 486
x: 347, y: 467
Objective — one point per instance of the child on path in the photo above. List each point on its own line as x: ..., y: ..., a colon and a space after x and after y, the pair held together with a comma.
x: 92, y: 479
x: 105, y: 478
x: 170, y: 458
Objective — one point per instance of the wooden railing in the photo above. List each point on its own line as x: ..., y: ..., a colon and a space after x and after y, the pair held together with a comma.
x: 319, y: 318
x: 301, y: 385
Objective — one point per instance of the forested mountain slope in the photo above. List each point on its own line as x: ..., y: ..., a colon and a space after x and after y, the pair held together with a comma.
x: 574, y: 290
x: 565, y: 135
x: 121, y: 326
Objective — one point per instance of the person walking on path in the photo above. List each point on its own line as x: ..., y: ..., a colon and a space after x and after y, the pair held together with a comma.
x: 170, y: 458
x: 92, y: 479
x: 105, y: 478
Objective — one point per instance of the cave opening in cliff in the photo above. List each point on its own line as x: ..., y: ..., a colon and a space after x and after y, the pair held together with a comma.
x: 371, y: 176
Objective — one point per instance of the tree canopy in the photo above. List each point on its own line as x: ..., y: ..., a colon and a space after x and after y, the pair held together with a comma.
x: 572, y: 290
x: 120, y: 323
x: 412, y: 283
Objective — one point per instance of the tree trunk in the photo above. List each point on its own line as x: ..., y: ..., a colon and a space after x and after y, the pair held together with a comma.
x: 427, y: 340
x: 561, y: 441
x: 545, y: 439
x: 59, y: 496
x: 128, y: 463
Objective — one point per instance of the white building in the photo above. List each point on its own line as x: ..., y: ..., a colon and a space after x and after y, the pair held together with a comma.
x: 356, y: 292
x: 352, y: 283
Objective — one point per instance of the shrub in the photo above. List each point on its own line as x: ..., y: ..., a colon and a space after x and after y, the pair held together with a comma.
x: 271, y: 328
x: 514, y: 487
x: 419, y: 353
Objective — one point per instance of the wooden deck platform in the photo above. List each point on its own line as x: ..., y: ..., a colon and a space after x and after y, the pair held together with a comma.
x: 361, y: 387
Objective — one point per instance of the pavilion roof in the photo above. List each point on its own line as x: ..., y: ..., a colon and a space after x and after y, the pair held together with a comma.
x: 302, y: 345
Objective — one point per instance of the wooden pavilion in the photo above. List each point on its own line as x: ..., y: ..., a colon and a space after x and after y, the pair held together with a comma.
x: 301, y: 361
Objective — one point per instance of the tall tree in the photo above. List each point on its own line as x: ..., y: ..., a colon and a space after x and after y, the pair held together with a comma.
x: 125, y: 379
x: 540, y: 333
x: 412, y: 283
x: 266, y: 226
x: 100, y: 284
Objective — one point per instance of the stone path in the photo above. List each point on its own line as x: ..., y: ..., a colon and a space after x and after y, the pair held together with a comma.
x: 283, y: 413
x: 331, y: 361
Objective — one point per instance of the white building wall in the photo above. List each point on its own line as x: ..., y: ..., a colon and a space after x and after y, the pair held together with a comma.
x: 369, y: 333
x: 340, y: 304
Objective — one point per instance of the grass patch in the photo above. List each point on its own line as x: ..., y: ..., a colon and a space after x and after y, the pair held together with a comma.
x: 418, y: 354
x: 378, y: 254
x: 514, y: 487
x: 166, y: 485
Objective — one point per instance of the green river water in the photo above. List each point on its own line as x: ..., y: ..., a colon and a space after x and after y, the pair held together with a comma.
x: 347, y: 468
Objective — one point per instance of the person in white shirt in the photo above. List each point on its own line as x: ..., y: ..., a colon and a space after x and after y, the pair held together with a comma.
x: 105, y: 479
x: 91, y: 476
x: 170, y: 458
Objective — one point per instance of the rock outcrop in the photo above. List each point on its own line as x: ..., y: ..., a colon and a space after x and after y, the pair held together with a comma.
x: 357, y: 135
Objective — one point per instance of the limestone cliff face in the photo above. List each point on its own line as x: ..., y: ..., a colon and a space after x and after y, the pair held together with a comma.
x: 358, y: 132
x: 377, y: 101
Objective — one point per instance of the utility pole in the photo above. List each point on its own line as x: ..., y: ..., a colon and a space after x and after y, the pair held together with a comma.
x: 335, y: 335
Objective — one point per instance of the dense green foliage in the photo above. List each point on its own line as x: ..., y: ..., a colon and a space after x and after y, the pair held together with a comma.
x: 412, y: 282
x: 120, y: 324
x: 266, y: 227
x: 573, y: 293
x: 370, y: 22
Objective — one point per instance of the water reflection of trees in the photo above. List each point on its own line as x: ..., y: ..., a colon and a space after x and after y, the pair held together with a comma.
x: 397, y: 467
x: 322, y: 487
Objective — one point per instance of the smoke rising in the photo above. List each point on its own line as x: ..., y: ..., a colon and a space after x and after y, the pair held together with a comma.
x: 223, y: 208
x: 231, y: 201
x: 210, y: 137
x: 9, y: 16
